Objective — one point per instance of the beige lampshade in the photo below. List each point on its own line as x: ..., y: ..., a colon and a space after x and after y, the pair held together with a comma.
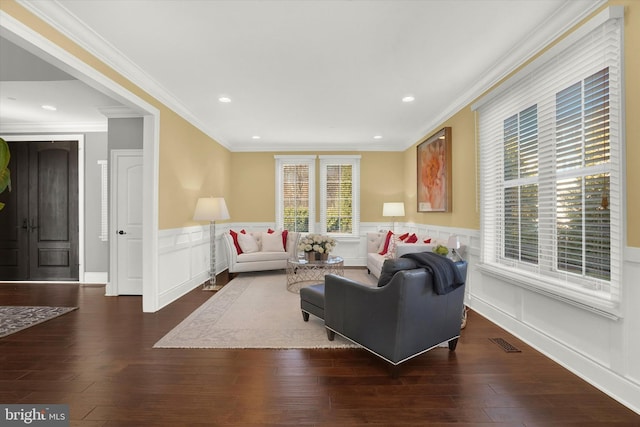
x: 393, y: 209
x: 211, y: 209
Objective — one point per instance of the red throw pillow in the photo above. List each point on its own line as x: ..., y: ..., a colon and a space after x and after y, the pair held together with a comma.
x: 234, y: 236
x: 386, y: 244
x: 412, y: 239
x: 404, y: 236
x: 427, y: 240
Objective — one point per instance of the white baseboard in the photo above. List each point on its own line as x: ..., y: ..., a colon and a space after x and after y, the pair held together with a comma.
x: 616, y: 386
x: 101, y: 277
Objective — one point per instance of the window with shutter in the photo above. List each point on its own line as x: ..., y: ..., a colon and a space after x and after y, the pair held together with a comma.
x: 295, y: 193
x: 550, y: 170
x: 340, y: 195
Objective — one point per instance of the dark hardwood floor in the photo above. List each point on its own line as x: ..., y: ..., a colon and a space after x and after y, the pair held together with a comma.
x: 99, y: 360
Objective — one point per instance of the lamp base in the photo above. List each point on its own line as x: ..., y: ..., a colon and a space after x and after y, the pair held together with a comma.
x: 211, y: 287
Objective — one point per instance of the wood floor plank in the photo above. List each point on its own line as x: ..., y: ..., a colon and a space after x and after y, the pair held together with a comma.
x: 100, y: 361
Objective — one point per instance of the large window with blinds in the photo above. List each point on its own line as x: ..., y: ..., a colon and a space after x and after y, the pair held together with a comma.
x: 340, y: 195
x: 295, y: 193
x: 551, y: 170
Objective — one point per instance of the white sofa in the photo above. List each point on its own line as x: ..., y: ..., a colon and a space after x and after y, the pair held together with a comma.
x: 375, y: 260
x: 260, y: 261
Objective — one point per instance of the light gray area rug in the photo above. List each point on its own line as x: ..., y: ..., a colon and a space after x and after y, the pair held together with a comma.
x: 17, y: 318
x: 255, y: 310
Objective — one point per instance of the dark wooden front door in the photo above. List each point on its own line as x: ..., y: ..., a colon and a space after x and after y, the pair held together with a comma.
x: 39, y: 224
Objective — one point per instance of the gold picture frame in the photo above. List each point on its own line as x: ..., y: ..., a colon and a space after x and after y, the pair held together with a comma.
x: 434, y: 172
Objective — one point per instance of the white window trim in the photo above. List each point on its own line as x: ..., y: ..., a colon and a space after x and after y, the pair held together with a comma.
x: 104, y: 200
x: 310, y: 161
x: 593, y: 301
x: 354, y: 161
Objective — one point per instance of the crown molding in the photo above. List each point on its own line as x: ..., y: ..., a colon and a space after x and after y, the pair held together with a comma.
x: 56, y: 15
x: 119, y: 112
x: 315, y: 147
x: 570, y: 15
x: 7, y: 128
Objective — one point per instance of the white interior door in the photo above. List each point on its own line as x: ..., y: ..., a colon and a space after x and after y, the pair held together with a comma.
x: 128, y: 221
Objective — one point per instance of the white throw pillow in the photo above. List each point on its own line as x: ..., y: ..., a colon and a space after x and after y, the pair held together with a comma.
x: 247, y: 243
x: 272, y: 242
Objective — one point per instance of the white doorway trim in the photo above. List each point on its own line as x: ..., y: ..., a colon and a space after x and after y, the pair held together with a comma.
x: 34, y: 42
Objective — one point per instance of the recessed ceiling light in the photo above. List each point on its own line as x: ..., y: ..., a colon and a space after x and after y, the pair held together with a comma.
x: 377, y: 137
x: 408, y: 98
x: 255, y: 137
x: 224, y: 99
x: 49, y: 107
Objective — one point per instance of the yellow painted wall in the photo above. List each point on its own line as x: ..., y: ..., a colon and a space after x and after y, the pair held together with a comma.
x: 253, y: 190
x: 464, y: 211
x: 193, y: 165
x: 632, y: 110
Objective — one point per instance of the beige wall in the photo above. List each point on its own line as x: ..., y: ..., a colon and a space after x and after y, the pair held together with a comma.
x: 464, y: 212
x: 193, y: 165
x: 632, y: 107
x: 253, y: 190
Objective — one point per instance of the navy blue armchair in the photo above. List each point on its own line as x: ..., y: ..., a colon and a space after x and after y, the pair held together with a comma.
x: 399, y: 320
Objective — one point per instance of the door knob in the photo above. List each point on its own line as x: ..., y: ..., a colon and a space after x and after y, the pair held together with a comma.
x: 122, y: 232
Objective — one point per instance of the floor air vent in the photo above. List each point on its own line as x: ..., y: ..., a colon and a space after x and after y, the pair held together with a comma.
x: 505, y: 345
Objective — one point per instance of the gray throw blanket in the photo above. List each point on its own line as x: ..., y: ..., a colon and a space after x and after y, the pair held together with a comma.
x: 446, y: 276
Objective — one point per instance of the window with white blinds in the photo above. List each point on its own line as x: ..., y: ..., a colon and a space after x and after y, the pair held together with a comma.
x: 550, y: 143
x: 295, y: 193
x: 340, y: 195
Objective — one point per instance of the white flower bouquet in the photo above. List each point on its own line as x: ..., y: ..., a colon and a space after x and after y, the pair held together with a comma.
x: 317, y: 243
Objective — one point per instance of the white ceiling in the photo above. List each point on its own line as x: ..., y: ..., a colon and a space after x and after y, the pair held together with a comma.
x: 306, y: 74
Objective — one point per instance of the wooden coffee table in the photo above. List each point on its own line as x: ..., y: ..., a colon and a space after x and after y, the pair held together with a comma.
x: 301, y: 273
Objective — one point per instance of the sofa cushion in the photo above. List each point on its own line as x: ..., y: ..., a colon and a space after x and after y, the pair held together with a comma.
x: 412, y: 239
x: 384, y: 247
x: 392, y: 266
x: 263, y: 256
x: 272, y: 242
x: 248, y: 243
x: 234, y: 236
x: 285, y: 234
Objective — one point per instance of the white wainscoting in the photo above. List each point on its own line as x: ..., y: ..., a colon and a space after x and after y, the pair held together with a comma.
x: 99, y: 277
x: 184, y: 252
x: 601, y: 350
x: 183, y: 260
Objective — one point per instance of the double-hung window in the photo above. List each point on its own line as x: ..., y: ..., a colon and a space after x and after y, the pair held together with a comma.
x: 551, y: 171
x: 340, y: 195
x: 295, y: 193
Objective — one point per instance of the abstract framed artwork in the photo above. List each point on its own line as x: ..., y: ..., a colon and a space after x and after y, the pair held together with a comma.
x: 434, y: 172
